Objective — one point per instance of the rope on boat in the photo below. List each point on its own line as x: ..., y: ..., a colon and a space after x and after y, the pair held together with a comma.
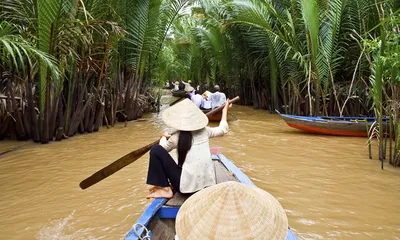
x: 146, y: 236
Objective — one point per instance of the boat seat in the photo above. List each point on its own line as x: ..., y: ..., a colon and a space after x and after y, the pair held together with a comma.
x: 178, y: 199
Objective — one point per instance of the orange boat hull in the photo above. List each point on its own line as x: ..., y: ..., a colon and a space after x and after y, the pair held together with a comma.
x: 335, y: 132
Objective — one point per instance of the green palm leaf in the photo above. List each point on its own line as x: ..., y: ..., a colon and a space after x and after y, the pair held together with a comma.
x: 311, y: 20
x: 16, y: 50
x: 47, y: 15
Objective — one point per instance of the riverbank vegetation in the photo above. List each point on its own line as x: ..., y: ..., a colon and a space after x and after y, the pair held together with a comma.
x: 313, y: 57
x: 72, y: 66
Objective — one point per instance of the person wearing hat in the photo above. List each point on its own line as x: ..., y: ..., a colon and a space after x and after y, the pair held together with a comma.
x: 187, y: 84
x: 206, y: 104
x: 189, y: 91
x: 176, y: 86
x: 194, y: 169
x: 234, y: 211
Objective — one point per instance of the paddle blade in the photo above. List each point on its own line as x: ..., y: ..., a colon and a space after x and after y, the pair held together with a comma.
x: 116, y: 166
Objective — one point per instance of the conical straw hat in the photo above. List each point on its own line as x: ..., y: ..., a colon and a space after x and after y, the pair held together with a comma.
x: 185, y: 116
x: 231, y: 210
x: 189, y: 89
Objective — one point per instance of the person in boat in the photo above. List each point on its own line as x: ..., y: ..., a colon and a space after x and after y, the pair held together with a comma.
x: 231, y: 210
x: 217, y: 98
x: 206, y: 103
x: 189, y: 92
x: 197, y: 99
x: 166, y: 85
x: 187, y: 84
x: 194, y: 169
x: 176, y: 86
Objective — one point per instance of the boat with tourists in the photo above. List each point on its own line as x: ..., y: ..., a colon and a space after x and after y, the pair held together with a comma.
x: 158, y: 219
x: 178, y: 93
x: 339, y: 126
x: 215, y: 117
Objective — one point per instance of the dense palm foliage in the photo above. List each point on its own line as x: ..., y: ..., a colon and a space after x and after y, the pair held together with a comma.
x: 69, y: 66
x: 313, y: 57
x: 299, y: 54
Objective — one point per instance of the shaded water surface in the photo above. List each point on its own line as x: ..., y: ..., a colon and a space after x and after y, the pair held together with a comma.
x: 327, y: 185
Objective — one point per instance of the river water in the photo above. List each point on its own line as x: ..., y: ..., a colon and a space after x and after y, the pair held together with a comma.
x: 327, y: 185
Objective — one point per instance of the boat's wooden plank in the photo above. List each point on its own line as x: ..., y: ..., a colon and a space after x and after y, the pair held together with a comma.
x: 178, y: 199
x: 161, y: 231
x: 235, y: 170
x: 170, y: 223
x: 146, y: 217
x: 222, y: 174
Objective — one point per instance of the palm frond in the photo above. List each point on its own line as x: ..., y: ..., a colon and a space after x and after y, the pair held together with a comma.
x: 14, y: 49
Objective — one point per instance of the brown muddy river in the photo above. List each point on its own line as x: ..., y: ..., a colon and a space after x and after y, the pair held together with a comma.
x: 328, y: 186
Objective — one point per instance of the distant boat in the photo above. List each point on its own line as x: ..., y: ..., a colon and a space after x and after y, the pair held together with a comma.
x: 339, y: 126
x: 159, y: 217
x: 178, y: 93
x: 216, y: 117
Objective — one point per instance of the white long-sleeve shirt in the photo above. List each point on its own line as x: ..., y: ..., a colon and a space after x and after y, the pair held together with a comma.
x: 198, y: 169
x: 176, y: 86
x: 197, y: 99
x: 217, y: 99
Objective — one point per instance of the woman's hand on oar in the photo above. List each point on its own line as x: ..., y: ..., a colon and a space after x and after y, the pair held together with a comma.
x: 130, y: 158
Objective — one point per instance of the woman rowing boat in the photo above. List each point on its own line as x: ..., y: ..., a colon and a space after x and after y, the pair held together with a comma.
x: 194, y: 169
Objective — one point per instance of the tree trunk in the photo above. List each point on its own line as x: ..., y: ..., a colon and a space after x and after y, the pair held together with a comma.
x: 92, y: 115
x: 76, y: 121
x: 31, y: 108
x: 45, y: 126
x: 61, y: 120
x: 79, y: 111
x: 5, y: 126
x: 70, y: 100
x: 20, y: 131
x: 26, y: 121
x: 53, y: 118
x: 100, y: 113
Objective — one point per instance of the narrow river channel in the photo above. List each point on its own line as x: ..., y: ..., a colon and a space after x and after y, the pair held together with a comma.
x: 328, y: 186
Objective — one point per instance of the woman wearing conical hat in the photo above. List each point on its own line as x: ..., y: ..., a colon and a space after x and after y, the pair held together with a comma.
x: 194, y: 169
x: 234, y: 211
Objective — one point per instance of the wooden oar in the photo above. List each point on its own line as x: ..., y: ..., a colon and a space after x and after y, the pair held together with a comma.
x: 130, y: 158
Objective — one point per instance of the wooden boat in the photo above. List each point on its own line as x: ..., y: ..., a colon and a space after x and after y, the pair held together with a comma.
x: 214, y: 117
x: 159, y: 217
x: 339, y: 126
x: 178, y: 93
